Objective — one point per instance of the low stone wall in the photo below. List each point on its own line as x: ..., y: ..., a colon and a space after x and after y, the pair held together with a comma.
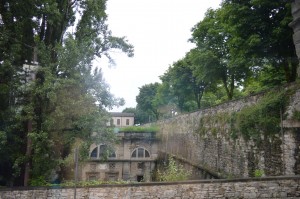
x: 279, y: 187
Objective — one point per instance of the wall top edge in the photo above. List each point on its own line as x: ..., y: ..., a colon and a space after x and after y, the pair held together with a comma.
x: 210, y: 181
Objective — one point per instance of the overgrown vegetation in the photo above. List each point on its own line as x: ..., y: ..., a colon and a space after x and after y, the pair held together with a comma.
x: 43, y: 115
x: 140, y: 129
x: 42, y: 182
x: 259, y: 173
x: 260, y: 119
x: 173, y: 172
x: 263, y: 117
x: 241, y: 48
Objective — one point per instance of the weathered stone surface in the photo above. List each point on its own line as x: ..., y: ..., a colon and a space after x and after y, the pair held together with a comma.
x: 204, y: 138
x: 275, y: 187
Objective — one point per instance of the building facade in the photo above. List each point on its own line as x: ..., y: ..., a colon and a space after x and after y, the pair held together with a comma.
x: 133, y: 158
x: 121, y: 119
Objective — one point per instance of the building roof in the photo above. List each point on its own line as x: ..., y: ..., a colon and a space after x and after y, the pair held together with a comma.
x: 120, y: 114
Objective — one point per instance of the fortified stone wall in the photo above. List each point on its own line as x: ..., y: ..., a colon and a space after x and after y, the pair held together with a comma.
x: 208, y: 139
x: 280, y: 187
x: 295, y: 24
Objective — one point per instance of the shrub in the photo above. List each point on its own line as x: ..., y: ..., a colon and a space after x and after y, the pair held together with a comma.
x: 173, y: 172
x: 139, y: 129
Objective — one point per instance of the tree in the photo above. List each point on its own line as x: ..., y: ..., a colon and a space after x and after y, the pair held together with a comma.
x: 213, y: 49
x: 260, y: 31
x: 67, y: 100
x: 145, y: 100
x: 140, y: 117
x: 181, y: 83
x: 177, y: 78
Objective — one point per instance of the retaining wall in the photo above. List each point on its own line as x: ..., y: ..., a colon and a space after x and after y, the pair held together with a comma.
x: 205, y: 138
x: 279, y: 187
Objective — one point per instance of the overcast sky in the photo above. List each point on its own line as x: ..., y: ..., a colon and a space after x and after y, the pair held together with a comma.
x: 158, y: 30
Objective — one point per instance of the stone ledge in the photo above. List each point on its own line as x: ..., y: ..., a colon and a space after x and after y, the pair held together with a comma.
x: 143, y: 184
x: 291, y: 123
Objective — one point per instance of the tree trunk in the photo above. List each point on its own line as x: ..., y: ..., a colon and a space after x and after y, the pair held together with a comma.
x: 28, y: 155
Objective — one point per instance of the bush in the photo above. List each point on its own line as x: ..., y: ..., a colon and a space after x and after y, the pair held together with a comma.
x: 140, y: 129
x: 259, y: 173
x: 173, y: 172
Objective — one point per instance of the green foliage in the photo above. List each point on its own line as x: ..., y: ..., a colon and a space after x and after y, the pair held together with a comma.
x: 296, y: 115
x: 173, y: 172
x: 39, y: 181
x: 263, y: 117
x: 140, y: 129
x: 215, y: 124
x: 145, y: 102
x: 42, y: 182
x: 3, y: 139
x: 264, y: 79
x: 260, y: 119
x: 212, y: 55
x: 259, y: 31
x: 140, y: 116
x: 242, y: 48
x: 259, y: 173
x: 67, y: 100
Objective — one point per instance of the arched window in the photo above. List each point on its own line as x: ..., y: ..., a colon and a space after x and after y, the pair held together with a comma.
x: 94, y: 153
x: 140, y: 153
x: 102, y: 152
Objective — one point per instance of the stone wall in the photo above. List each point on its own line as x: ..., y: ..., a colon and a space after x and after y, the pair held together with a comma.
x: 279, y: 187
x: 295, y: 24
x: 205, y: 138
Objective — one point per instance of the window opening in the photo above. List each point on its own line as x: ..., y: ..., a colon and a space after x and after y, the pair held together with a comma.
x: 134, y: 154
x: 112, y: 176
x: 112, y: 154
x: 92, y: 177
x: 147, y: 155
x: 112, y: 166
x: 140, y: 153
x: 102, y: 151
x: 140, y: 178
x: 94, y: 153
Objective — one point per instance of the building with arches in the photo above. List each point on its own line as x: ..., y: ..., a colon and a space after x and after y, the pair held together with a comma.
x: 132, y: 159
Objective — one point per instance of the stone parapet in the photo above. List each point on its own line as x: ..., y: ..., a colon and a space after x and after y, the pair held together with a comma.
x: 271, y: 187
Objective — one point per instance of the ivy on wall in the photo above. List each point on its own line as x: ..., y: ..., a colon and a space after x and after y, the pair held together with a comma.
x: 263, y: 117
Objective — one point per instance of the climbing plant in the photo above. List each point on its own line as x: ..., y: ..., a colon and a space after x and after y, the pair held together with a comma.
x: 263, y: 117
x: 251, y: 122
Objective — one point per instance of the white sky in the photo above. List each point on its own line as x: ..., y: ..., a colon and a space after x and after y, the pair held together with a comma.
x: 158, y: 30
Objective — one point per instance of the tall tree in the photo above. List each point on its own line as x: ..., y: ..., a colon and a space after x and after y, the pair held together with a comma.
x: 145, y: 101
x: 66, y: 101
x: 260, y: 31
x: 212, y: 40
x: 181, y: 83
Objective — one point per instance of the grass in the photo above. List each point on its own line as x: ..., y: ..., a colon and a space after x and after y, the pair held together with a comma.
x: 139, y: 129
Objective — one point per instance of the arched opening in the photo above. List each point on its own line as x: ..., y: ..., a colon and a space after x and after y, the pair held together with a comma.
x: 140, y: 152
x: 102, y: 151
